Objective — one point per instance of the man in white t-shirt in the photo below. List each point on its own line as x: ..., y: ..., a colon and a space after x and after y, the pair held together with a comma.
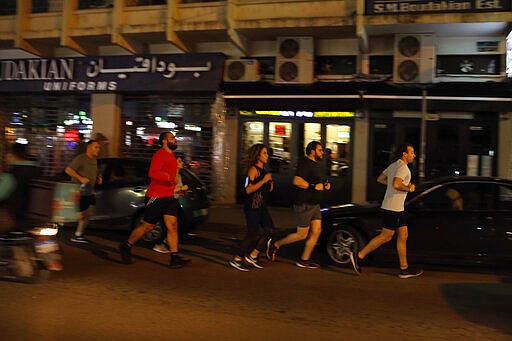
x: 397, y: 178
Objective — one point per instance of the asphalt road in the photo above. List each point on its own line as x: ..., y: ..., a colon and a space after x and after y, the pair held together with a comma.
x: 98, y: 298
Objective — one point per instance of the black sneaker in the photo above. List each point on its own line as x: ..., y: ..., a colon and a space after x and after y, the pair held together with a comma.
x: 79, y: 239
x: 177, y: 262
x: 271, y: 250
x: 410, y: 272
x: 238, y: 264
x: 308, y: 264
x: 254, y: 262
x: 125, y: 251
x: 356, y: 262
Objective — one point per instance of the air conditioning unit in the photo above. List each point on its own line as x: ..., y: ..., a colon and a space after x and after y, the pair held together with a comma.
x: 414, y: 58
x: 294, y: 60
x: 242, y: 70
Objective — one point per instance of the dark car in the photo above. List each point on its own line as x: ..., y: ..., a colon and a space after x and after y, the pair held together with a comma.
x: 119, y: 199
x: 451, y: 221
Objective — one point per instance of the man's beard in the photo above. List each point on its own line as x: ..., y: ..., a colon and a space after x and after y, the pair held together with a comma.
x: 173, y: 146
x: 318, y: 158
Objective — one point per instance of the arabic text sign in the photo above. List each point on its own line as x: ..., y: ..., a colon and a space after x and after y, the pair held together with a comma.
x: 177, y: 72
x: 374, y: 7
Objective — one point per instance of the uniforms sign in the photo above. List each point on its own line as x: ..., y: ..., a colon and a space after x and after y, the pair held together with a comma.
x: 178, y: 72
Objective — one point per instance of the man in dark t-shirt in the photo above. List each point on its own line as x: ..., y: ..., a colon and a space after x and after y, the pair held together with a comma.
x: 308, y: 187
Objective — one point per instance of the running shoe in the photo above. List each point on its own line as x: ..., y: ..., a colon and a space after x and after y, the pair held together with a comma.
x: 410, y: 272
x: 162, y: 248
x: 125, y: 251
x: 356, y: 262
x: 308, y: 264
x: 79, y: 239
x: 238, y: 264
x: 177, y: 262
x: 271, y: 250
x: 254, y: 262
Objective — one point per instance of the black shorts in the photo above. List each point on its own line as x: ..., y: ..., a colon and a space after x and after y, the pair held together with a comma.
x: 393, y: 220
x: 86, y: 201
x: 156, y: 208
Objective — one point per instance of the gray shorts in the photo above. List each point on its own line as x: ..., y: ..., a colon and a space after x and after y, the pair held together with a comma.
x: 305, y: 213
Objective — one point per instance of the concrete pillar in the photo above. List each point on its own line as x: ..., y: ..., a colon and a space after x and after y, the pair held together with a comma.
x: 360, y: 159
x: 229, y: 189
x: 505, y: 146
x: 106, y: 116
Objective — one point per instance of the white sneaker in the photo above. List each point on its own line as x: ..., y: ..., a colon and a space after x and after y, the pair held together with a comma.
x: 162, y: 248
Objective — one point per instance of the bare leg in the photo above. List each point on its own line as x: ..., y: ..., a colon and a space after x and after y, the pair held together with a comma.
x: 316, y: 230
x: 171, y: 222
x: 83, y: 219
x: 384, y: 237
x: 301, y: 234
x: 139, y: 231
x: 401, y: 246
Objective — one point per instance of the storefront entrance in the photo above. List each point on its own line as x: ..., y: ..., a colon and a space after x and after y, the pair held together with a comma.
x: 287, y: 138
x: 456, y: 144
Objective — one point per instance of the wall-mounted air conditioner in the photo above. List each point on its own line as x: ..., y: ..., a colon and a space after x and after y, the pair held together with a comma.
x: 241, y: 70
x: 414, y: 58
x: 294, y: 60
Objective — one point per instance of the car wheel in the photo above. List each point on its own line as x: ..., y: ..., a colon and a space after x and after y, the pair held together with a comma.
x: 154, y: 236
x: 342, y: 242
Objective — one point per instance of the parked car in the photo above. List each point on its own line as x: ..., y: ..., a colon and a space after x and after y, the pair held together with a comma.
x: 119, y: 199
x: 451, y: 220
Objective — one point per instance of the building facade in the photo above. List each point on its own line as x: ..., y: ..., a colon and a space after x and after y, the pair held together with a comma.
x: 359, y: 76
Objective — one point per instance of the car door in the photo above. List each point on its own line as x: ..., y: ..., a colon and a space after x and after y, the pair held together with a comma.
x: 454, y: 223
x: 121, y: 194
x: 504, y: 214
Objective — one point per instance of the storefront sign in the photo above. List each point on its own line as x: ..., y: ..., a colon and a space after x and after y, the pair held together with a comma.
x: 166, y: 72
x: 374, y: 7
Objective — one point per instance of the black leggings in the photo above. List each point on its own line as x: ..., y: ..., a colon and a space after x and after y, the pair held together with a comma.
x: 255, y: 219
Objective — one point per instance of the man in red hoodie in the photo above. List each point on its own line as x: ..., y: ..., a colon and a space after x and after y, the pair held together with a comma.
x: 160, y: 201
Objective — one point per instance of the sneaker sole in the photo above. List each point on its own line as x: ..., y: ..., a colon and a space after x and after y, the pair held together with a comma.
x: 79, y: 241
x: 410, y: 275
x: 353, y: 261
x: 306, y: 266
x: 256, y: 265
x: 236, y: 266
x: 161, y: 251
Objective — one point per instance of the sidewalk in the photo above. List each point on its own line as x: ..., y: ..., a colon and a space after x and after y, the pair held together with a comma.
x: 230, y: 218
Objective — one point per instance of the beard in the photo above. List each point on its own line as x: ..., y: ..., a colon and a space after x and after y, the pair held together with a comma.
x: 173, y: 146
x: 318, y: 157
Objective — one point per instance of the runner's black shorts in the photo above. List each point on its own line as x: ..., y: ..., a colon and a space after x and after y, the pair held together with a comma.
x: 393, y: 220
x: 156, y: 208
x: 86, y: 201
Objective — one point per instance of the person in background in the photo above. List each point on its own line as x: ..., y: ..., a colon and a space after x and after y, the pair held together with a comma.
x: 309, y: 188
x: 397, y: 178
x: 160, y: 202
x: 83, y: 169
x: 178, y: 191
x: 15, y: 186
x: 258, y: 185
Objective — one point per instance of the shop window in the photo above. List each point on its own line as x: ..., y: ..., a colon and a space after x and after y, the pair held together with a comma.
x: 312, y: 132
x: 52, y: 127
x: 337, y: 149
x: 145, y: 117
x: 279, y: 136
x: 252, y: 133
